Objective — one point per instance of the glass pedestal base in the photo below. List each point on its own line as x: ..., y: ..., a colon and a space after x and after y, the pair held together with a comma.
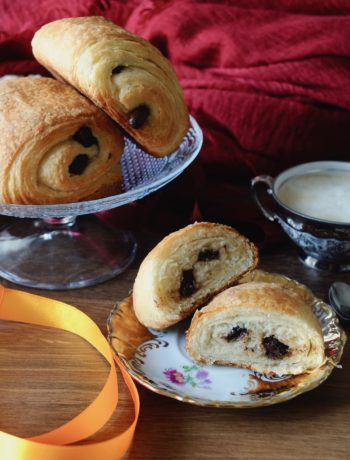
x: 64, y: 253
x: 59, y: 253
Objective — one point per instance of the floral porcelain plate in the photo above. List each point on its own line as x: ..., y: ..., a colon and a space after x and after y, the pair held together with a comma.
x: 158, y: 359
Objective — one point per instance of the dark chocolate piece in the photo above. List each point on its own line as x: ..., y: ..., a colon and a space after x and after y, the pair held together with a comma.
x: 188, y: 284
x: 79, y: 164
x: 208, y: 254
x: 236, y: 333
x: 138, y: 116
x: 118, y: 69
x: 85, y: 137
x: 274, y: 348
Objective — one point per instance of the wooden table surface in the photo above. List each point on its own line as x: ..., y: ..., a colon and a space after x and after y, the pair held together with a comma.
x: 47, y: 376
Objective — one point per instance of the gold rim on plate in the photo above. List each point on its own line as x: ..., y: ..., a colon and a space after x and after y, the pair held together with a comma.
x: 131, y: 342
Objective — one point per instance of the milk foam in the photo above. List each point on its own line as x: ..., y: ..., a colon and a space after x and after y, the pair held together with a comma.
x: 322, y: 195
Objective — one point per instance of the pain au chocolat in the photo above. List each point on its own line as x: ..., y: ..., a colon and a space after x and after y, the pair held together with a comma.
x: 56, y: 146
x: 120, y: 72
x: 187, y: 268
x: 265, y: 327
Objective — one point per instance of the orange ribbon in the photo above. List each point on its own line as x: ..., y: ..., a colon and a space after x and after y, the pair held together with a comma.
x: 28, y: 308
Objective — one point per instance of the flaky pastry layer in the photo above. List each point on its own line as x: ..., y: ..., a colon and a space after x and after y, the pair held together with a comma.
x: 121, y: 73
x: 55, y: 146
x: 187, y: 268
x: 265, y: 327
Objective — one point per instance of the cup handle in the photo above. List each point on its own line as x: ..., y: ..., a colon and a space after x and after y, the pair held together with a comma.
x: 268, y: 182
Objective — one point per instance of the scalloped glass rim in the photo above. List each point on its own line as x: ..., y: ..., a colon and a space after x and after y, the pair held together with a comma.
x: 170, y: 167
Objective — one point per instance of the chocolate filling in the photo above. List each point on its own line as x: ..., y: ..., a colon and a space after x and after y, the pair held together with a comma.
x: 138, y: 116
x: 274, y: 348
x: 236, y: 333
x: 79, y: 164
x: 85, y: 137
x: 188, y: 285
x: 118, y: 69
x: 208, y: 254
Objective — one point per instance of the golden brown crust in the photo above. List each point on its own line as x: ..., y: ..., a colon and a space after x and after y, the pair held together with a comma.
x: 264, y: 297
x: 156, y: 299
x: 261, y: 304
x: 120, y: 72
x: 38, y: 119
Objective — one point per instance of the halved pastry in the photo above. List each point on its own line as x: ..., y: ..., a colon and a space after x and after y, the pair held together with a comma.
x: 56, y: 146
x: 187, y: 268
x: 265, y: 327
x: 121, y: 73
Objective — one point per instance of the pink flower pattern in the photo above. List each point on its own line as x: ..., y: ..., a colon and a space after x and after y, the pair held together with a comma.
x: 192, y: 375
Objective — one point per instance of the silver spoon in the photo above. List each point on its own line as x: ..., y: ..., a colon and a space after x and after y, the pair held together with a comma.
x: 339, y: 296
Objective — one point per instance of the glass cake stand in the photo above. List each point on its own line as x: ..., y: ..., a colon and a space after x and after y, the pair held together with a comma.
x: 55, y: 250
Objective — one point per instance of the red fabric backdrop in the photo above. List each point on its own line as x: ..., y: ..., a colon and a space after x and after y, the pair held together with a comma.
x: 268, y: 81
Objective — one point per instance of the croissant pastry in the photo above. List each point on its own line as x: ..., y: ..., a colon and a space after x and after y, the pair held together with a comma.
x: 121, y: 73
x: 55, y: 146
x: 186, y: 269
x: 265, y: 327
